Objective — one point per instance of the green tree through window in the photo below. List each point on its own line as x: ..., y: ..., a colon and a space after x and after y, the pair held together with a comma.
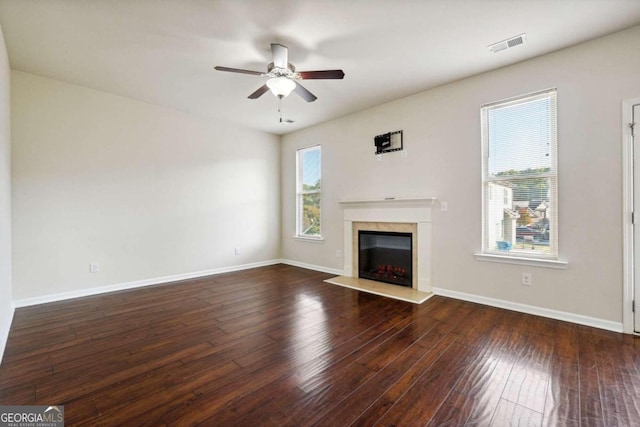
x: 309, y: 189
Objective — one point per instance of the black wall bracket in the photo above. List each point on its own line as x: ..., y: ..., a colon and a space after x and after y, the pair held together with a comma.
x: 389, y: 142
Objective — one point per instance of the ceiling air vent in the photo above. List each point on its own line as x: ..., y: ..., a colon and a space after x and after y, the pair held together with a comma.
x: 508, y: 43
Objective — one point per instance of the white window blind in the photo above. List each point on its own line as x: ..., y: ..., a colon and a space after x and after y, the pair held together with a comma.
x: 519, y: 140
x: 309, y: 192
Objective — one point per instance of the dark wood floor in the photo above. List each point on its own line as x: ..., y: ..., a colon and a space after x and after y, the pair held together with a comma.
x: 276, y: 346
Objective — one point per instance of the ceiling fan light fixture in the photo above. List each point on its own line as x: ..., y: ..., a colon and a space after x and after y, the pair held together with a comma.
x: 281, y: 86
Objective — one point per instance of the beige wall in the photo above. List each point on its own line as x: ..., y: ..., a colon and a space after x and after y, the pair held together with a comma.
x: 6, y: 304
x: 442, y: 136
x: 146, y: 191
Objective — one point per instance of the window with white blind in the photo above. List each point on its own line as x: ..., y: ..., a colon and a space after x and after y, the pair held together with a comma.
x: 308, y: 190
x: 519, y: 157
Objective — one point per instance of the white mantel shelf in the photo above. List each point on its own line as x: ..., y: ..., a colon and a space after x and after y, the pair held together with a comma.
x: 389, y: 200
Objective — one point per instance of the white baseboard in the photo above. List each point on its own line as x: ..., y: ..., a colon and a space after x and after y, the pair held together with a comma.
x: 25, y: 302
x: 312, y: 267
x: 6, y: 327
x: 531, y: 309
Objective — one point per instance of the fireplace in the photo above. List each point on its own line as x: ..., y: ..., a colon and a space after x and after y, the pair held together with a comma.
x: 390, y: 215
x: 385, y: 257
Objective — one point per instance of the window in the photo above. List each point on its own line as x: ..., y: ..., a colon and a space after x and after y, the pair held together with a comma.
x: 308, y: 188
x: 519, y: 147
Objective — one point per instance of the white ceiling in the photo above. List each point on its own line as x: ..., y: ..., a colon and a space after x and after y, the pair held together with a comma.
x: 163, y: 51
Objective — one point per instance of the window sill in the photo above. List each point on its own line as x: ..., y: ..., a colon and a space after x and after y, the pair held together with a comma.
x: 533, y: 262
x: 309, y: 239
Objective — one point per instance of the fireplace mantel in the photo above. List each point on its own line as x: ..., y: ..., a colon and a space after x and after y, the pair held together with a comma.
x: 389, y: 201
x: 415, y: 210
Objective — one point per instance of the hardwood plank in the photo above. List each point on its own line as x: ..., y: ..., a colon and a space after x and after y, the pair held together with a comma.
x: 512, y: 414
x: 149, y: 396
x: 357, y: 402
x: 421, y: 401
x: 562, y: 406
x: 379, y: 407
x: 591, y: 411
x: 530, y: 376
x: 312, y: 394
x: 276, y: 346
x: 621, y: 398
x: 19, y: 393
x: 475, y: 397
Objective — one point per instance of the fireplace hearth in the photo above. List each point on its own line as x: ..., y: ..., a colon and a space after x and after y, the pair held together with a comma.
x: 386, y: 257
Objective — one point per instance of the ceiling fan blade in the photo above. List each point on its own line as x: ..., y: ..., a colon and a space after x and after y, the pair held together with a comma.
x: 280, y: 55
x: 304, y: 93
x: 258, y: 93
x: 325, y: 74
x: 238, y: 70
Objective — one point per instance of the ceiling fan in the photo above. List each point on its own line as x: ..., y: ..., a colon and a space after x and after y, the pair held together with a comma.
x: 283, y: 78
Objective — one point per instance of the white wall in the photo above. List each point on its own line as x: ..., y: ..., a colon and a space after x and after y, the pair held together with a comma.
x: 146, y: 191
x: 442, y: 135
x: 6, y: 302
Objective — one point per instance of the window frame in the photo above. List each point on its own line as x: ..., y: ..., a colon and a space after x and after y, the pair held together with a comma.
x: 513, y: 256
x: 300, y: 193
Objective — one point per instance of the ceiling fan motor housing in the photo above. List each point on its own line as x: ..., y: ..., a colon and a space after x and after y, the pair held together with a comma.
x: 289, y: 72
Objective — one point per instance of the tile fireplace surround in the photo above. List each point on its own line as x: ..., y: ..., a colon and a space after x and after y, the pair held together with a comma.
x: 391, y: 214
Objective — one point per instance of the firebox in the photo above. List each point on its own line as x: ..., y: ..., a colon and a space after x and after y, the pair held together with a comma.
x: 386, y: 257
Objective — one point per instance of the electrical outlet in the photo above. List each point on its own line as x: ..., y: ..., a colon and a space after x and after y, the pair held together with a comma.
x: 404, y: 154
x: 444, y: 206
x: 526, y: 279
x: 94, y: 267
x: 338, y: 253
x: 237, y: 251
x: 378, y: 157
